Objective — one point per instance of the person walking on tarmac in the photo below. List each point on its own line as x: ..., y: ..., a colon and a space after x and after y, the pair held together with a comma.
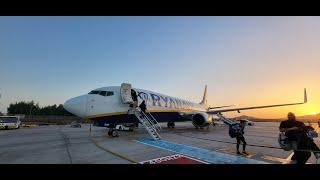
x: 240, y: 138
x: 297, y: 131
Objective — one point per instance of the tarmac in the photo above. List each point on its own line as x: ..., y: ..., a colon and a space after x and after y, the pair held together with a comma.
x: 62, y: 144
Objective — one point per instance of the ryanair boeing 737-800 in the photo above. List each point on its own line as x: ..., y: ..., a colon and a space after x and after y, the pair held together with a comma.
x: 110, y: 106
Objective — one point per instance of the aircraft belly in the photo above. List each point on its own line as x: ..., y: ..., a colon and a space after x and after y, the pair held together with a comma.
x: 125, y: 118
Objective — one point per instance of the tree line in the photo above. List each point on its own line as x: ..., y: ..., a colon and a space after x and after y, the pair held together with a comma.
x: 30, y: 108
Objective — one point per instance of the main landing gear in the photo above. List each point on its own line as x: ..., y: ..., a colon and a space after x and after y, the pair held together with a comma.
x: 170, y: 124
x: 113, y: 131
x: 213, y: 124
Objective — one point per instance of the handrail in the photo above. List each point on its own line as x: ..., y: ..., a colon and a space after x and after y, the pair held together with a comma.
x: 147, y: 122
x: 151, y: 123
x: 155, y: 121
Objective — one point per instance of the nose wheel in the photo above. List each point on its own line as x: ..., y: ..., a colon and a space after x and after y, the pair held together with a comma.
x: 113, y: 131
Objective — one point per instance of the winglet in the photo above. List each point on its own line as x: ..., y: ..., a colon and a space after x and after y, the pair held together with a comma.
x: 305, y: 96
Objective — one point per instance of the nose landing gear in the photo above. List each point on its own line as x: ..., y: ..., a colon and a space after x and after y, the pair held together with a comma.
x: 113, y: 131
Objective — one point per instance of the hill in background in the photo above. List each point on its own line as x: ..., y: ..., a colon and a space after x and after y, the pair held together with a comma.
x: 305, y: 118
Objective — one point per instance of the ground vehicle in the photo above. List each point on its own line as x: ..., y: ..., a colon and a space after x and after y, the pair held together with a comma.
x: 75, y: 124
x: 9, y: 122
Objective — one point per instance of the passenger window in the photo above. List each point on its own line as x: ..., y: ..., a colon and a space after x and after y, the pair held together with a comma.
x: 94, y: 92
x: 109, y: 93
x: 103, y: 93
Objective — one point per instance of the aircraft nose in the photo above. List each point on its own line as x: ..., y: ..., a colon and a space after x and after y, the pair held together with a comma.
x: 76, y: 106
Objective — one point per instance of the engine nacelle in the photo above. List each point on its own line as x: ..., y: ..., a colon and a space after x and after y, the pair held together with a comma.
x: 201, y: 119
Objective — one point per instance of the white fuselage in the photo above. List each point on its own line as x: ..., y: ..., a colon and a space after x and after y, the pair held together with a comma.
x: 93, y: 106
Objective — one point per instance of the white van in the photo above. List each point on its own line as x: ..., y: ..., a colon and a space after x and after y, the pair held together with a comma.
x: 9, y: 122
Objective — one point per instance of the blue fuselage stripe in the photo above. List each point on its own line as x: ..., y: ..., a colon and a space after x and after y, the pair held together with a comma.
x: 199, y: 153
x: 125, y: 118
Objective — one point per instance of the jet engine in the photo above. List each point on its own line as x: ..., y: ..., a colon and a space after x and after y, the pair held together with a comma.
x: 201, y: 120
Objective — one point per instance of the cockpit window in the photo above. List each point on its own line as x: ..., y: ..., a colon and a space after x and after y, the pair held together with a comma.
x: 109, y: 93
x: 94, y: 92
x: 103, y: 93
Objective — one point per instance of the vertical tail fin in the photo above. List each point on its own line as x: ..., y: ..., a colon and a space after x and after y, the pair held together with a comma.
x: 204, y: 99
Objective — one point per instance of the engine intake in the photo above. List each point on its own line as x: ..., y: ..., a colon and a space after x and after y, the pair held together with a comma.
x: 201, y: 120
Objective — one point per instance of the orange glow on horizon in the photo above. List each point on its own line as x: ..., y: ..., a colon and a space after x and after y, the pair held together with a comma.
x: 270, y: 93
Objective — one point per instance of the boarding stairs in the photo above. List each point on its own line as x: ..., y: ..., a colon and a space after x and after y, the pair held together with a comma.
x: 149, y: 122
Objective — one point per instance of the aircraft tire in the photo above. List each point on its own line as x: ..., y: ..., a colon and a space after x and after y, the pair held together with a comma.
x: 170, y: 125
x: 114, y: 133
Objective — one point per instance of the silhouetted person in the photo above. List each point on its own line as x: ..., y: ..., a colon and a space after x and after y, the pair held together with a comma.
x: 297, y: 131
x: 134, y: 98
x: 143, y: 106
x: 240, y: 138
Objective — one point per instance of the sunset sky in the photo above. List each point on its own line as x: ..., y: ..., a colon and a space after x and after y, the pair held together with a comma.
x: 245, y: 61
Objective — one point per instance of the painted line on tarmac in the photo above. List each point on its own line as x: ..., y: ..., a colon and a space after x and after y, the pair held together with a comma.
x: 199, y: 153
x: 111, y: 152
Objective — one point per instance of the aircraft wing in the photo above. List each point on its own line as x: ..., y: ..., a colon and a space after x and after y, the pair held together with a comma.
x: 258, y: 107
x: 217, y: 107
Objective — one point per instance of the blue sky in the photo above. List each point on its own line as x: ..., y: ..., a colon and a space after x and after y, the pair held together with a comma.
x: 244, y: 60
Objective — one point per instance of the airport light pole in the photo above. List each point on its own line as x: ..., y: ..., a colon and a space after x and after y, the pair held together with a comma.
x: 30, y: 112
